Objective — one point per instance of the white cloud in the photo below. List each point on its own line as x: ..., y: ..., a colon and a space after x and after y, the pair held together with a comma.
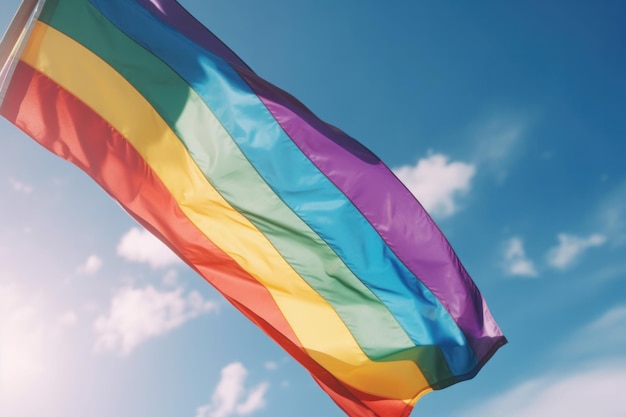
x: 437, y: 183
x: 20, y: 186
x: 92, y: 264
x: 570, y: 248
x: 139, y: 245
x: 255, y: 401
x: 596, y: 392
x: 231, y: 397
x: 515, y: 260
x: 138, y: 314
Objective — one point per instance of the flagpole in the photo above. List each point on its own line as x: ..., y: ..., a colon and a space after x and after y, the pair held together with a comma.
x: 11, y: 43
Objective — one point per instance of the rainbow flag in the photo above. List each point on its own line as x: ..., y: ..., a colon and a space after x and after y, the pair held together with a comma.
x: 299, y: 226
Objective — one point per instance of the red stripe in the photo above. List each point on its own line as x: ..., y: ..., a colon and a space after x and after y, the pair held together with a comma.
x: 70, y: 129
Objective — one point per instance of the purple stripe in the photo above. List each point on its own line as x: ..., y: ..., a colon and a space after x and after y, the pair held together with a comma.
x: 390, y: 208
x: 369, y: 184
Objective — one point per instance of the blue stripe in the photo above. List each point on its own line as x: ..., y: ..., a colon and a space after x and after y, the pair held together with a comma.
x: 295, y: 179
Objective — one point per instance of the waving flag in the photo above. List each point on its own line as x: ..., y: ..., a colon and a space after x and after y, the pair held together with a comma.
x: 299, y: 226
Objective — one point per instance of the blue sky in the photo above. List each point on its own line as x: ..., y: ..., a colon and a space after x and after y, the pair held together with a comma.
x: 508, y: 122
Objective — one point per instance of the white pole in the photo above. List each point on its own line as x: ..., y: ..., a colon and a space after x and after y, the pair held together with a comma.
x: 13, y: 39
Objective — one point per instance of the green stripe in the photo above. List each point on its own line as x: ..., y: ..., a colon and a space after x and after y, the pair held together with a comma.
x: 373, y: 326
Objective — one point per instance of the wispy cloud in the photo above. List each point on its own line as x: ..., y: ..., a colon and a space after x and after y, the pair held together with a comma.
x: 31, y: 335
x: 498, y: 141
x: 22, y: 338
x: 612, y: 214
x: 611, y: 272
x: 515, y: 260
x: 592, y: 387
x: 68, y: 319
x: 231, y: 396
x: 596, y: 392
x: 92, y: 264
x: 139, y: 314
x: 437, y: 182
x: 170, y: 278
x: 20, y: 187
x: 603, y: 337
x: 270, y: 365
x: 571, y: 248
x: 139, y: 245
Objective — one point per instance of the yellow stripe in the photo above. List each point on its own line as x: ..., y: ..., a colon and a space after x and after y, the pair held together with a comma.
x: 320, y: 330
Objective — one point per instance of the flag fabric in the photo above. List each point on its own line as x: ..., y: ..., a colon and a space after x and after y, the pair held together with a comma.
x: 299, y: 226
